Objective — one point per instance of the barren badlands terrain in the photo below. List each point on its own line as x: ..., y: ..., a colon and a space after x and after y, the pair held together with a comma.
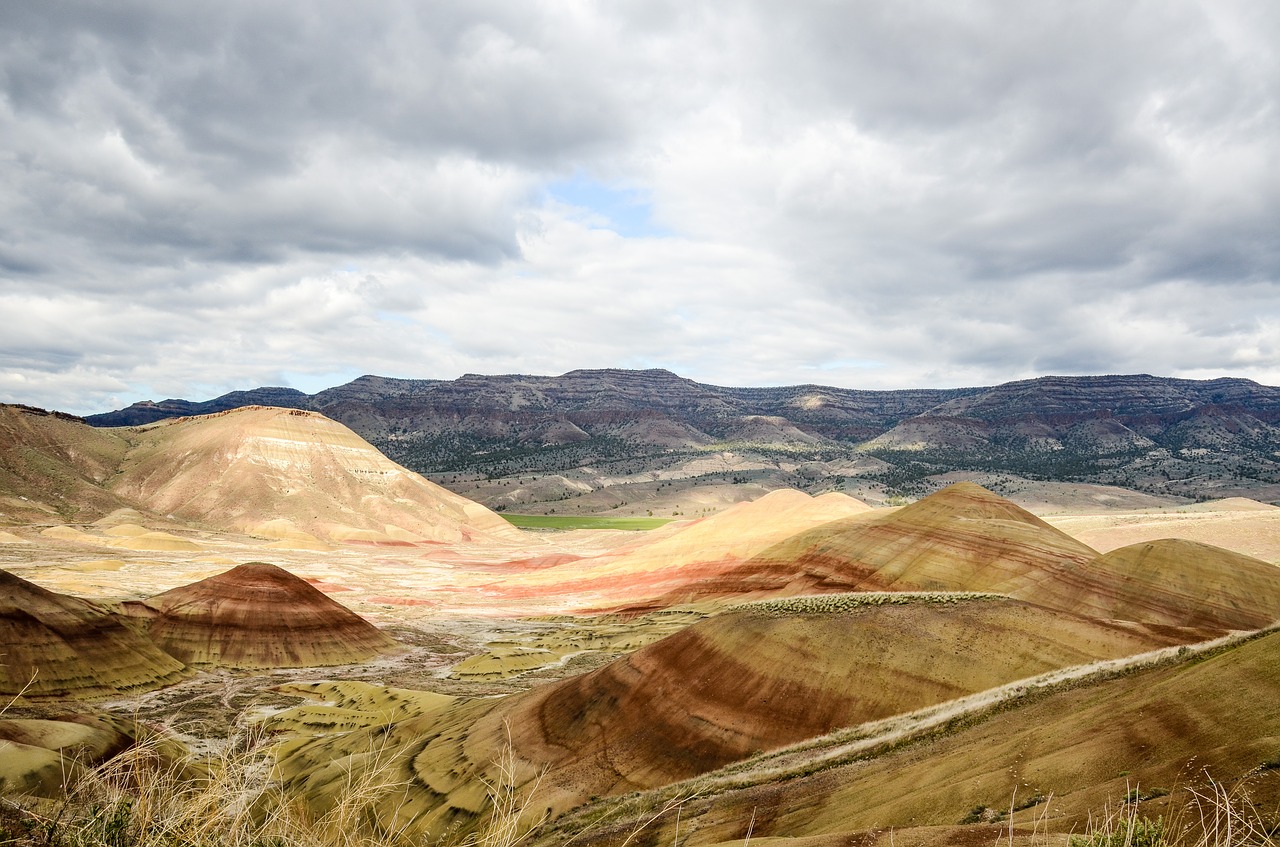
x: 775, y: 663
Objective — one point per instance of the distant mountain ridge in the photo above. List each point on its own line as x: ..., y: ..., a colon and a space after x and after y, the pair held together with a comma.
x: 1170, y: 436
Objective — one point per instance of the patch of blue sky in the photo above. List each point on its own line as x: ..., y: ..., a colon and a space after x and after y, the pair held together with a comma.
x: 311, y: 383
x: 627, y: 211
x: 394, y: 317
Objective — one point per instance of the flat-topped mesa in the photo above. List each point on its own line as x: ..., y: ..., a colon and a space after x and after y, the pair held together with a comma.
x: 56, y: 645
x: 258, y: 615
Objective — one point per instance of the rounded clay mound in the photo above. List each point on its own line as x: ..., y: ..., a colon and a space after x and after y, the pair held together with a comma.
x: 229, y: 469
x: 1176, y: 582
x: 260, y: 616
x: 962, y: 538
x: 56, y: 645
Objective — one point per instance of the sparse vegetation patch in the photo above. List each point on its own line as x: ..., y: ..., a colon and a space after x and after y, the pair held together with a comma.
x: 829, y: 604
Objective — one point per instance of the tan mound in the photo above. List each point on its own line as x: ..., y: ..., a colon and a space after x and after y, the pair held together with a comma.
x: 126, y: 530
x: 260, y: 616
x: 962, y: 538
x: 95, y: 566
x: 741, y: 682
x: 688, y: 553
x: 1172, y: 582
x: 1231, y: 504
x: 230, y: 469
x: 156, y: 541
x: 59, y: 645
x: 124, y: 517
x: 67, y: 533
x: 351, y: 535
x: 288, y: 536
x: 10, y: 538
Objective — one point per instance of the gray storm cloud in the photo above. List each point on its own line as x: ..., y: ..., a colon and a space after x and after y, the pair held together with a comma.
x: 200, y: 198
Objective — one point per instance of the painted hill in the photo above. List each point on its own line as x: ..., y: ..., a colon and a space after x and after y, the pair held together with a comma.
x: 232, y: 469
x: 55, y: 645
x: 258, y: 616
x: 1086, y: 747
x: 963, y: 538
x: 747, y: 680
x: 1173, y: 582
x: 653, y: 567
x: 281, y: 473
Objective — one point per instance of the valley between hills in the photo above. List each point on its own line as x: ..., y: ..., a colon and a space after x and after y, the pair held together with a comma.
x: 968, y: 652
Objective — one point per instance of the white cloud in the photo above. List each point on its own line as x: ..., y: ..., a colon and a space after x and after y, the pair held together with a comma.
x: 874, y: 195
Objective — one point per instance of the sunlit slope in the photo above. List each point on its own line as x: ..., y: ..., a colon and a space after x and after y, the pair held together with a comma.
x: 1174, y: 582
x: 1163, y: 728
x: 963, y: 538
x: 743, y: 681
x: 56, y: 645
x: 650, y: 567
x: 53, y: 467
x: 1238, y: 524
x: 241, y: 469
x: 759, y: 678
x: 258, y: 616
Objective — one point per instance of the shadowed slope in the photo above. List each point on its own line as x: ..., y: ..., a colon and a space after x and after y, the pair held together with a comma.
x: 259, y: 616
x: 235, y: 469
x: 60, y: 645
x: 1174, y: 582
x: 746, y: 680
x: 52, y: 467
x: 962, y: 538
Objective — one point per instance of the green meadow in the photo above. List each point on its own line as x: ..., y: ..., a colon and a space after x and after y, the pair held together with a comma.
x: 584, y: 522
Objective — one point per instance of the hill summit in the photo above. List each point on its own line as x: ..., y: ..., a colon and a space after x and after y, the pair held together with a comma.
x: 258, y: 615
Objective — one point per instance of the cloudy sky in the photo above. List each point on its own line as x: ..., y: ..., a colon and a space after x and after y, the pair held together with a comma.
x: 196, y: 198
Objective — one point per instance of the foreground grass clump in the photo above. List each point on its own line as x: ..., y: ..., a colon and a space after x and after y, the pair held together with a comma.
x: 150, y: 797
x: 146, y: 797
x: 1209, y: 816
